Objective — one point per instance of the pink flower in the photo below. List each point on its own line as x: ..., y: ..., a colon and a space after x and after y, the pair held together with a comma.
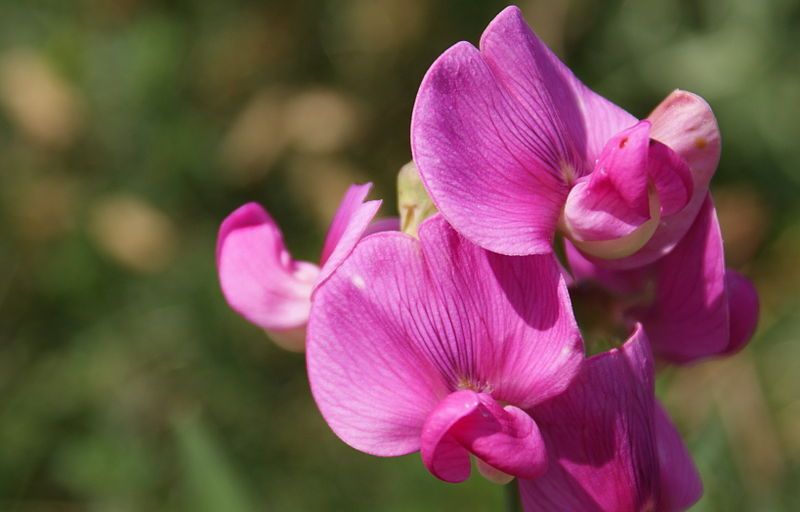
x: 690, y: 305
x: 512, y: 146
x: 415, y: 344
x: 263, y: 283
x: 439, y: 346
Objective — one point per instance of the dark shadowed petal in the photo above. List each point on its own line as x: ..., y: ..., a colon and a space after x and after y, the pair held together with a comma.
x: 689, y: 317
x: 620, y: 282
x: 349, y: 224
x: 600, y: 437
x: 744, y: 307
x: 258, y: 276
x: 468, y: 422
x: 404, y: 323
x: 681, y: 486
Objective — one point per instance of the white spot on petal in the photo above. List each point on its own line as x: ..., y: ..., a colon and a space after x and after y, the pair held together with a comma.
x: 358, y: 282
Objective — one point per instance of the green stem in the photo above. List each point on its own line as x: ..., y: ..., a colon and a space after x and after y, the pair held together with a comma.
x: 511, y: 491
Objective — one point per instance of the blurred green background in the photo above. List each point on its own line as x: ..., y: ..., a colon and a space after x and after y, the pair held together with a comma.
x: 130, y: 128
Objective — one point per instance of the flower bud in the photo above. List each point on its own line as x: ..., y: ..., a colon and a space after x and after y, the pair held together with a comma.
x: 412, y: 199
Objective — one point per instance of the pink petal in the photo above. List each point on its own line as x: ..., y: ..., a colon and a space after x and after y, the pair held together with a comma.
x: 387, y: 224
x: 681, y: 486
x: 351, y: 202
x: 670, y: 177
x: 373, y: 386
x: 603, y: 120
x: 744, y: 307
x: 689, y: 317
x: 623, y: 165
x: 685, y: 123
x: 247, y: 215
x: 547, y: 89
x: 468, y: 422
x: 491, y: 168
x: 599, y: 222
x: 258, y: 276
x: 403, y: 323
x: 613, y: 201
x: 600, y: 436
x: 349, y: 224
x: 512, y: 315
x: 636, y: 182
x: 550, y: 115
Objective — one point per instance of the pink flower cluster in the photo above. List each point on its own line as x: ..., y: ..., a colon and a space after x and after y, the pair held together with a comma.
x: 462, y: 344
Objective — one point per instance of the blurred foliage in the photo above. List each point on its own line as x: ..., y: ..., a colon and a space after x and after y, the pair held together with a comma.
x: 130, y: 128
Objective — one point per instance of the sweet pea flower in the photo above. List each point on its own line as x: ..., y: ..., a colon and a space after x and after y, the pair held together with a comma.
x: 513, y: 147
x: 438, y: 346
x: 690, y: 305
x: 263, y: 283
